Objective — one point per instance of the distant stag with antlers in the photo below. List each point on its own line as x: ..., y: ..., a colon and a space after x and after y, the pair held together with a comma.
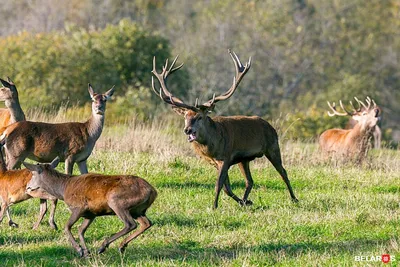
x: 225, y: 141
x: 351, y: 143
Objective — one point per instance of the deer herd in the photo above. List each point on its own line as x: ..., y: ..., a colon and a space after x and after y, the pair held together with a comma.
x: 222, y: 140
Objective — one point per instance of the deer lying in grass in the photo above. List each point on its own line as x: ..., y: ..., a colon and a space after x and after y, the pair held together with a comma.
x: 92, y: 195
x: 72, y: 142
x: 12, y: 191
x: 13, y: 112
x: 351, y: 143
x: 225, y: 141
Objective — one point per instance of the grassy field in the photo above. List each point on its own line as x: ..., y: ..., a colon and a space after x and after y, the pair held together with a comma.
x: 344, y: 210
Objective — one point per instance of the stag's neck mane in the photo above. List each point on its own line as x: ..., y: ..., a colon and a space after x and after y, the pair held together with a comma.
x: 16, y: 112
x: 207, y: 145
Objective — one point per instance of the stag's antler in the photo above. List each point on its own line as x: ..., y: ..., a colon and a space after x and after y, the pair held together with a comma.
x: 167, y: 97
x: 240, y: 71
x: 355, y: 110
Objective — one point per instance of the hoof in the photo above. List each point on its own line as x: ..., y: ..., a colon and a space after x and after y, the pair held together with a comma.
x: 80, y: 252
x: 53, y: 226
x: 122, y: 249
x: 245, y: 202
x: 102, y: 249
x: 13, y: 224
x: 295, y: 200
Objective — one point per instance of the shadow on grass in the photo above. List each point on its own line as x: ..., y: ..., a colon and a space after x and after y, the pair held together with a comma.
x: 188, y: 251
x: 236, y: 185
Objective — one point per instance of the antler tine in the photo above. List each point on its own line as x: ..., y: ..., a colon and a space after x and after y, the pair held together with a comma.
x: 341, y: 105
x: 360, y: 102
x: 164, y: 93
x: 335, y: 112
x: 240, y: 71
x: 171, y: 69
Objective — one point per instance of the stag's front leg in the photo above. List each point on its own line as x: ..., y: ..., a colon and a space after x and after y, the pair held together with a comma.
x: 228, y: 190
x: 222, y: 176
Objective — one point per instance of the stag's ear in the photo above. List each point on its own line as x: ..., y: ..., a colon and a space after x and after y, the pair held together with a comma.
x: 109, y: 93
x: 5, y: 84
x: 91, y: 92
x: 32, y: 167
x: 180, y: 111
x: 55, y: 162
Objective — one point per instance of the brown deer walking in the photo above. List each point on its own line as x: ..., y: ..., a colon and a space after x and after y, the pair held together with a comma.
x: 92, y: 195
x: 13, y: 112
x: 225, y: 141
x: 351, y: 143
x: 72, y: 142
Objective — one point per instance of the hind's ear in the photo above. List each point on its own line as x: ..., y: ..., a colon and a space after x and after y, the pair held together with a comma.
x: 32, y: 167
x: 91, y: 91
x: 109, y: 93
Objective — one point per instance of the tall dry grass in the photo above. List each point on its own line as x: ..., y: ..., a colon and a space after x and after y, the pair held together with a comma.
x: 163, y: 138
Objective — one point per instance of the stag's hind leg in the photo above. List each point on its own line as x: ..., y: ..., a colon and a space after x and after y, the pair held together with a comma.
x: 274, y: 156
x: 245, y: 169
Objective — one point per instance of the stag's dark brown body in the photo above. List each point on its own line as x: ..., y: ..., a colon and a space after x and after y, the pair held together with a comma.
x: 237, y: 139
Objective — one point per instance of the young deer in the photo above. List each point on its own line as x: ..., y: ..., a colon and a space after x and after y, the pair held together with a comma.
x: 225, y: 141
x: 12, y: 191
x: 13, y: 112
x: 92, y: 195
x: 351, y: 143
x: 72, y: 142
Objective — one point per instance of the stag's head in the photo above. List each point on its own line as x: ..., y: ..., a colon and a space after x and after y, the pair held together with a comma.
x: 367, y: 115
x: 196, y: 116
x: 38, y: 184
x: 99, y: 100
x: 8, y: 91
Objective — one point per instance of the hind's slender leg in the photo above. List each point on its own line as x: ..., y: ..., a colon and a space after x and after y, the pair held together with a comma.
x: 245, y: 169
x: 128, y: 220
x: 274, y: 156
x: 145, y: 224
x: 42, y: 212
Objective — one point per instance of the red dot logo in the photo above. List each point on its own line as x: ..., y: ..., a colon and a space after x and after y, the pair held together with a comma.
x: 385, y: 258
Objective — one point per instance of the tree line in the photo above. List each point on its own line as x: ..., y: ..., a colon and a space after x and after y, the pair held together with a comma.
x: 305, y: 52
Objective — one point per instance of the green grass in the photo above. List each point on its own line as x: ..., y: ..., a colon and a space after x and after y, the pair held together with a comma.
x: 344, y: 211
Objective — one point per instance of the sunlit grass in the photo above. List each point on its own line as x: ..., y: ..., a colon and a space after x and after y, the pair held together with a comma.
x: 344, y: 210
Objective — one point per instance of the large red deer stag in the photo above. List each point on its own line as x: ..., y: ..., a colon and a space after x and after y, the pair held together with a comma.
x: 225, y: 141
x: 351, y: 143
